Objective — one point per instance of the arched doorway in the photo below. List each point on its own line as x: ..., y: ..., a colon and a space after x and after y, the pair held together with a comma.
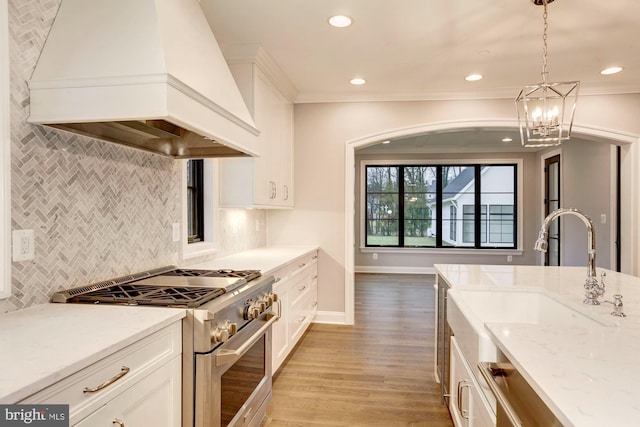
x: 628, y: 208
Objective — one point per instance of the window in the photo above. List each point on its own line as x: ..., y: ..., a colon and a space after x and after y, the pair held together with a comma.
x: 419, y: 205
x: 195, y: 200
x: 469, y: 223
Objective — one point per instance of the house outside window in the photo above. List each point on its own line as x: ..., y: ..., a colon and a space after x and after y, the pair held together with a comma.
x: 419, y: 205
x: 453, y: 226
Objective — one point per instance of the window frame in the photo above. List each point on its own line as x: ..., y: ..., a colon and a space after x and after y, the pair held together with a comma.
x: 195, y: 200
x: 208, y: 246
x: 439, y: 248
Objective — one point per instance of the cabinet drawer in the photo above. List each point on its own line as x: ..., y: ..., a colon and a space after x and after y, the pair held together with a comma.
x: 153, y: 401
x: 129, y: 364
x: 298, y: 289
x: 303, y: 263
x: 280, y: 277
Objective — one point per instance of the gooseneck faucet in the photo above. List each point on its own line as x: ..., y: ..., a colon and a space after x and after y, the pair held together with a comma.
x: 593, y: 289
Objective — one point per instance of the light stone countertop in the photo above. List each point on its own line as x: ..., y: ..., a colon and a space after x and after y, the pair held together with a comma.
x: 587, y: 375
x: 45, y: 343
x: 265, y: 259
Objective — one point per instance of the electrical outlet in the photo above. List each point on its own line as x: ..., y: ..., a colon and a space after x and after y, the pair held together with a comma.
x: 509, y: 258
x: 23, y: 245
x: 375, y: 256
x: 603, y: 218
x: 175, y: 231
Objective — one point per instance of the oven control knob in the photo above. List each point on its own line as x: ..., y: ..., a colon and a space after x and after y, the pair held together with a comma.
x: 233, y: 328
x: 271, y: 298
x: 219, y: 335
x: 252, y: 311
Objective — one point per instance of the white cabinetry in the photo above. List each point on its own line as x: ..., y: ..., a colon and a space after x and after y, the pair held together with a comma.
x: 139, y: 385
x: 467, y: 406
x: 297, y: 288
x: 265, y: 181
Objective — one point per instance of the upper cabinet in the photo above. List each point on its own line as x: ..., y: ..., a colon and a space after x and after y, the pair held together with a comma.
x: 265, y: 181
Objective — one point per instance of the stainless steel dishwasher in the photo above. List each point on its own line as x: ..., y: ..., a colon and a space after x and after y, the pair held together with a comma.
x: 517, y: 403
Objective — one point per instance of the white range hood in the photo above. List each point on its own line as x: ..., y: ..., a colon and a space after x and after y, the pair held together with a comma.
x: 144, y: 73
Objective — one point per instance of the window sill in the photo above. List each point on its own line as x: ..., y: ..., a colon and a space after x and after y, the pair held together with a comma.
x: 195, y: 250
x: 438, y: 251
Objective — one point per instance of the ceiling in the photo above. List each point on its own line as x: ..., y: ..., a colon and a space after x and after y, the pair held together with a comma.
x: 423, y: 49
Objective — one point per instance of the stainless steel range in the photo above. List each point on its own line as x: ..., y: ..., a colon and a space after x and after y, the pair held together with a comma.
x: 226, y: 335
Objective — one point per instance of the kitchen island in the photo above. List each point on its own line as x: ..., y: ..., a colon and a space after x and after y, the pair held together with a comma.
x: 586, y: 373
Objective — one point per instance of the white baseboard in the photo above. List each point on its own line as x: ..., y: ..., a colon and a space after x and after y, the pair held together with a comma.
x: 330, y: 317
x: 394, y: 270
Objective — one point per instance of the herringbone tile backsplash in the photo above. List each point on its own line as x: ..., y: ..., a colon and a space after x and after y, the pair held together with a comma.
x: 98, y: 210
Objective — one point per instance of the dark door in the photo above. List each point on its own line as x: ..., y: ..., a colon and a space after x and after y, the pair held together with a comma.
x: 551, y: 203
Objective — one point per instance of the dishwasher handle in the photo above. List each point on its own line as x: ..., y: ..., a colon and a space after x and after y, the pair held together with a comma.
x: 491, y: 373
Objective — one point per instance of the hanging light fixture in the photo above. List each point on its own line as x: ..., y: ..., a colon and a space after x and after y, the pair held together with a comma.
x: 546, y: 110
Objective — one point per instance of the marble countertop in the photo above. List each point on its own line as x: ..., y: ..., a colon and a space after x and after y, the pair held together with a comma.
x: 265, y: 259
x: 587, y: 374
x: 42, y: 344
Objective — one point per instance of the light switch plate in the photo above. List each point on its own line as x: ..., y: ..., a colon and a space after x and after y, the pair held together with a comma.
x: 23, y: 245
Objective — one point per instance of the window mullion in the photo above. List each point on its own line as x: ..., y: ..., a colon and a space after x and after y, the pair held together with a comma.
x: 401, y: 207
x: 439, y: 213
x: 477, y: 208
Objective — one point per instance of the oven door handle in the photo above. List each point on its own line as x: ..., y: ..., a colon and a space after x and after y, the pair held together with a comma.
x: 224, y: 356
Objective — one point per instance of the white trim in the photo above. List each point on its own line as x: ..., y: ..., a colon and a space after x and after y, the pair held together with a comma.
x: 209, y: 246
x: 349, y: 182
x: 394, y: 270
x: 331, y: 318
x: 5, y: 154
x: 441, y: 251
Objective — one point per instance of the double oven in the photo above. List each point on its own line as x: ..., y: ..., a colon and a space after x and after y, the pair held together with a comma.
x: 226, y: 371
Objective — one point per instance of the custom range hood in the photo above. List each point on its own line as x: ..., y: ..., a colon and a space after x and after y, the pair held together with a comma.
x: 143, y: 73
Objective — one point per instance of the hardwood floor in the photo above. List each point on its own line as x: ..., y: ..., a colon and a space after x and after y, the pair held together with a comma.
x: 378, y: 372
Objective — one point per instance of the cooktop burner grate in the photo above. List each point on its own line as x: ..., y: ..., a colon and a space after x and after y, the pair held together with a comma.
x: 243, y: 274
x: 132, y: 294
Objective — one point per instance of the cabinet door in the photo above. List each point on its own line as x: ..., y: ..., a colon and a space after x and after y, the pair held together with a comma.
x: 459, y: 387
x: 153, y: 401
x: 467, y: 406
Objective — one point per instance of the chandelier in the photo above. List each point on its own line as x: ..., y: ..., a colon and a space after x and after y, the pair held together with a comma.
x: 546, y: 110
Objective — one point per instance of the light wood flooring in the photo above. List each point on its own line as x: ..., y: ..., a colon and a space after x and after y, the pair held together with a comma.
x: 378, y: 372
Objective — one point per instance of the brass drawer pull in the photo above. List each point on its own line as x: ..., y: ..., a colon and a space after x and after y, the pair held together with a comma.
x: 124, y: 371
x: 118, y: 421
x: 302, y: 288
x: 302, y: 265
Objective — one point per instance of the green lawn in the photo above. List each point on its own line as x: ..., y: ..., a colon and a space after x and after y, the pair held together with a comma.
x: 408, y: 241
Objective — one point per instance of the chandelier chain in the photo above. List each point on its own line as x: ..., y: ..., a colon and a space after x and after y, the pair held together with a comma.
x: 545, y: 71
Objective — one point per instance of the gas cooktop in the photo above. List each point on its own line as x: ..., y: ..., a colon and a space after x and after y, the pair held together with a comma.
x: 168, y: 287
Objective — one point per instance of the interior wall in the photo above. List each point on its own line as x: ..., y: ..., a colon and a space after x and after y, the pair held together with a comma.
x: 586, y: 177
x: 422, y: 260
x: 98, y: 210
x: 324, y: 132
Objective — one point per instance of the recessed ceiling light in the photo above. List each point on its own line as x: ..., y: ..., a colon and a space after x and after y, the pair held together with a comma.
x: 386, y: 142
x: 473, y: 77
x: 358, y: 81
x: 611, y: 70
x: 339, y: 21
x: 507, y: 139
